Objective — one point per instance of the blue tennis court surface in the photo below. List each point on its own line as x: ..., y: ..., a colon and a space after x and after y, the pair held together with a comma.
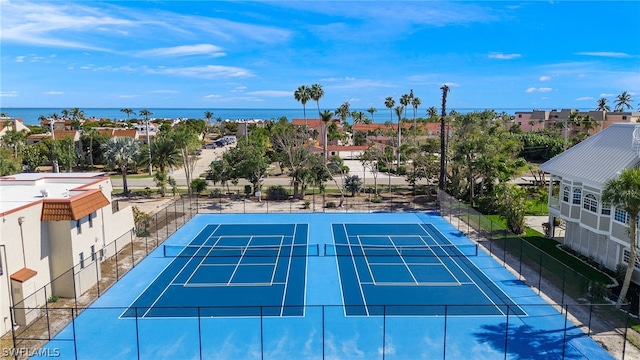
x: 321, y: 286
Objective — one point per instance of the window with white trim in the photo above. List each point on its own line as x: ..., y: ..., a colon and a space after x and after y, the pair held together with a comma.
x: 621, y: 216
x: 577, y: 196
x: 81, y: 260
x: 565, y: 194
x: 606, y: 209
x: 91, y: 216
x: 590, y: 203
x: 93, y: 253
x: 79, y: 226
x: 625, y: 257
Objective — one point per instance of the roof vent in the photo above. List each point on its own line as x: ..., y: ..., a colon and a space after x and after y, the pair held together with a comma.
x: 44, y: 192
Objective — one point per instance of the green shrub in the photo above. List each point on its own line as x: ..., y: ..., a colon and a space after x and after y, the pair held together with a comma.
x: 306, y: 204
x: 277, y: 192
x: 53, y: 298
x: 247, y: 190
x: 376, y: 200
x: 330, y: 205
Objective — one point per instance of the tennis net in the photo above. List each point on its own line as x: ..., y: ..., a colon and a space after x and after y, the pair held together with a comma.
x: 448, y: 250
x: 271, y: 251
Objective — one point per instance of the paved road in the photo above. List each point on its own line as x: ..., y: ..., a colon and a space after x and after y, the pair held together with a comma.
x: 209, y: 155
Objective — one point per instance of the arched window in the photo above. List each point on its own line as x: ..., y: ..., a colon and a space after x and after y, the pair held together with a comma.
x: 590, y: 203
x: 565, y: 194
x: 577, y: 196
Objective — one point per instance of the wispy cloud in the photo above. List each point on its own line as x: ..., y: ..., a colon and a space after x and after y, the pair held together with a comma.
x: 604, y: 54
x: 584, y: 98
x: 53, y: 93
x: 540, y: 89
x: 501, y: 56
x: 164, y: 92
x: 205, y: 72
x: 185, y: 50
x: 544, y: 78
x: 212, y: 96
x: 8, y: 94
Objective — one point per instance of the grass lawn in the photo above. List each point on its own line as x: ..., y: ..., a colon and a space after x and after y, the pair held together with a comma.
x: 549, y: 247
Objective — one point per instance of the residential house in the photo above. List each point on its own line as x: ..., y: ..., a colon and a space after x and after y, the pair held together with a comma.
x: 577, y: 178
x: 50, y: 224
x: 546, y: 119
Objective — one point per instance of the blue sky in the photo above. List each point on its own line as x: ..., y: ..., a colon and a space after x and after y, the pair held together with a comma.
x: 210, y: 54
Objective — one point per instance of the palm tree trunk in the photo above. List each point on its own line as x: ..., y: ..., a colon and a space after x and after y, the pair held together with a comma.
x: 633, y: 236
x: 125, y: 188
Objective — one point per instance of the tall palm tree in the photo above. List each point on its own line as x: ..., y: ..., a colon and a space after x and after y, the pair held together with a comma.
x: 623, y: 101
x: 623, y: 192
x: 65, y: 113
x: 128, y: 112
x: 208, y: 115
x: 146, y: 113
x: 602, y: 105
x: 445, y: 90
x: 405, y: 101
x: 432, y: 113
x: 316, y: 94
x: 415, y: 103
x: 390, y: 103
x: 399, y: 110
x: 303, y: 94
x: 326, y: 117
x: 122, y: 153
x: 343, y: 111
x: 371, y: 110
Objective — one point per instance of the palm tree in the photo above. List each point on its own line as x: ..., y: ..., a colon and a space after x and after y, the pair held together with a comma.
x: 146, y: 113
x: 399, y: 114
x: 128, y: 112
x: 623, y: 101
x: 343, y: 111
x: 445, y: 90
x: 316, y: 94
x: 432, y: 113
x: 602, y: 105
x: 623, y: 192
x: 326, y: 117
x: 415, y: 103
x: 371, y: 110
x: 122, y: 153
x: 405, y: 101
x: 165, y: 154
x: 390, y: 103
x: 208, y: 115
x: 303, y: 94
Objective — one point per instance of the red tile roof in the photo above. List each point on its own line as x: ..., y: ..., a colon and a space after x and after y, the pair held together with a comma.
x: 74, y: 208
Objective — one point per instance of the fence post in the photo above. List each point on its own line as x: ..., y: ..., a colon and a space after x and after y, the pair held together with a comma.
x: 199, y: 333
x: 261, y: 336
x: 384, y: 330
x: 135, y: 313
x: 506, y: 334
x: 97, y: 262
x: 133, y: 258
x: 444, y: 342
x: 46, y: 309
x: 564, y: 333
x: 323, y: 331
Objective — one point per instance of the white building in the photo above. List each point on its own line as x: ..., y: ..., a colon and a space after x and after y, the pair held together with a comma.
x: 593, y: 228
x: 50, y: 223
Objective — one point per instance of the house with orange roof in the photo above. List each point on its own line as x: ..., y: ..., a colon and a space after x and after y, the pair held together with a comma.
x: 9, y: 123
x: 52, y: 223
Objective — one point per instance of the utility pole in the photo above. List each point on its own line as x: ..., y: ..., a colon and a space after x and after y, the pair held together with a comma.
x: 445, y: 90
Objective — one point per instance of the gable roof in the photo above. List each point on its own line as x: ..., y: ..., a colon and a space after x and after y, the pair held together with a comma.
x: 598, y: 158
x: 74, y: 208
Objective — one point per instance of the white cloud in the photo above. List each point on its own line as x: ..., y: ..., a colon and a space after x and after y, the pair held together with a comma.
x: 212, y: 96
x: 501, y: 56
x: 270, y: 93
x: 20, y: 59
x: 9, y: 94
x: 540, y: 89
x: 452, y: 84
x: 53, y: 93
x: 544, y: 78
x: 164, y: 92
x: 185, y: 50
x: 607, y: 95
x: 604, y: 54
x: 584, y: 98
x: 205, y: 72
x: 128, y: 96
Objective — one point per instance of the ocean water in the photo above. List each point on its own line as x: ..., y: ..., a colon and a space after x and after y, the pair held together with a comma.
x: 30, y: 115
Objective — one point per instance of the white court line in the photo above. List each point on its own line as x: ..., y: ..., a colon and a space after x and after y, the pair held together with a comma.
x: 286, y: 285
x: 403, y: 261
x: 175, y: 277
x: 439, y: 259
x: 470, y: 278
x: 366, y: 259
x: 355, y: 269
x: 275, y: 264
x: 244, y: 250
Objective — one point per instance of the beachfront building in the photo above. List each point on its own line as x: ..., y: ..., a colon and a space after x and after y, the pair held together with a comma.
x: 9, y: 123
x: 577, y: 178
x: 549, y: 119
x: 52, y: 223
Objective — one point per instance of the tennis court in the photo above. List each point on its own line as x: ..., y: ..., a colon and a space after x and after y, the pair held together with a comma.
x: 321, y: 286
